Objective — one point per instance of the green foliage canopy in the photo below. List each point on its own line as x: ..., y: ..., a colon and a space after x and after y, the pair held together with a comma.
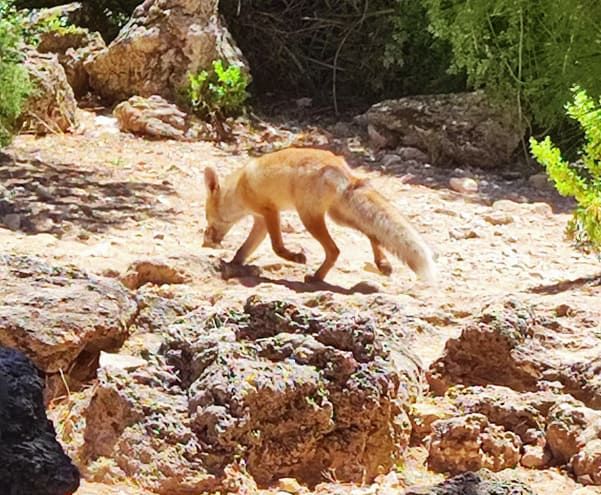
x: 14, y: 81
x: 529, y: 51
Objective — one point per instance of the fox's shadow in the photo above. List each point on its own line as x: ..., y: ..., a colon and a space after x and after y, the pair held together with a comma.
x: 296, y: 286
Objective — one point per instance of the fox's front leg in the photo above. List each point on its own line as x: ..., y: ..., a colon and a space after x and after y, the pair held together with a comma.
x: 272, y: 220
x: 256, y: 236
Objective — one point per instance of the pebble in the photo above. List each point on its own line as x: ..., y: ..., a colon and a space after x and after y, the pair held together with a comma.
x: 463, y: 184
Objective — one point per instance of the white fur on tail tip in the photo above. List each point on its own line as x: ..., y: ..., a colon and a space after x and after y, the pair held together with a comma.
x: 428, y: 272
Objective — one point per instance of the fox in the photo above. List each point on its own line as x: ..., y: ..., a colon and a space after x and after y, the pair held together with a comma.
x: 315, y: 182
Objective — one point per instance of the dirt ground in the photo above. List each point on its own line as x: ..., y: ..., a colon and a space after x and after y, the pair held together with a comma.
x: 106, y: 200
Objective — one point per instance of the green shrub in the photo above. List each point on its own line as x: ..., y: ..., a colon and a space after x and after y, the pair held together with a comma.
x: 583, y: 179
x: 529, y: 51
x: 218, y: 93
x: 14, y: 81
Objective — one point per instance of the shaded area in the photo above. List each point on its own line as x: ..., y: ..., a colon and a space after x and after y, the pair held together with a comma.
x: 53, y: 197
x: 566, y: 285
x: 511, y: 183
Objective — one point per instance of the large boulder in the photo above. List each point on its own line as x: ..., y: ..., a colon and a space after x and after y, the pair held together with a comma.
x: 51, y: 106
x: 290, y: 392
x: 57, y: 314
x: 32, y: 462
x: 163, y: 41
x: 72, y: 48
x: 463, y: 129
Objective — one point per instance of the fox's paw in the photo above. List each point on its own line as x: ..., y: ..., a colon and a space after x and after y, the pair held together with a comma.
x: 385, y: 267
x: 298, y: 258
x: 311, y: 279
x: 234, y: 270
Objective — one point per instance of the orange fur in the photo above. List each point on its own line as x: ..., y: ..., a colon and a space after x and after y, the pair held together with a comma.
x: 314, y: 182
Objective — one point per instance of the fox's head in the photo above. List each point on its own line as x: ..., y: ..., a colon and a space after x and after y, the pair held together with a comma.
x: 217, y: 226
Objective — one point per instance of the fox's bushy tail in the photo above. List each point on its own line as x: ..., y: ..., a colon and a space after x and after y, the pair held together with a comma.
x: 369, y: 212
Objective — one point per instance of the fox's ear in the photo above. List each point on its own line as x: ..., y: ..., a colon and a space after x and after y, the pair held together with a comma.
x: 211, y: 180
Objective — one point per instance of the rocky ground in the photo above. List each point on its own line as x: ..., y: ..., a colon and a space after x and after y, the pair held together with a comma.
x: 517, y: 308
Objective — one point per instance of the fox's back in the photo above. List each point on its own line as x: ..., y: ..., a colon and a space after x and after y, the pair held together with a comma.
x: 286, y: 177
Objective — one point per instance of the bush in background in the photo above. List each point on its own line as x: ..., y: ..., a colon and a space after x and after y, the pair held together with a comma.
x: 14, y: 81
x: 583, y: 179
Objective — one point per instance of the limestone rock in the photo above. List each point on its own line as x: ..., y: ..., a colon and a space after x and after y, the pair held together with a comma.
x: 163, y: 41
x: 453, y: 129
x: 51, y: 106
x: 73, y: 48
x: 291, y: 392
x: 151, y: 117
x: 55, y: 313
x: 498, y: 348
x: 471, y: 442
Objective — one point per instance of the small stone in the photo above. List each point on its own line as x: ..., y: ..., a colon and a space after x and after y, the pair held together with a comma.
x: 541, y: 209
x: 290, y: 485
x: 463, y: 184
x: 390, y: 159
x: 499, y: 218
x: 407, y: 153
x: 12, y: 221
x: 540, y: 181
x: 535, y: 456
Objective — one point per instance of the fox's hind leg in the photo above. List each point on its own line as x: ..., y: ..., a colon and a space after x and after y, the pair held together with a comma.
x: 338, y: 215
x: 380, y: 258
x: 316, y: 225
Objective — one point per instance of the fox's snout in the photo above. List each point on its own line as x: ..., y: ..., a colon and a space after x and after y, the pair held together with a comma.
x: 212, y: 239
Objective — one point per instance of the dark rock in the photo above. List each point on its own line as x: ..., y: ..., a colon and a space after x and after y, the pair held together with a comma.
x: 470, y: 483
x: 32, y: 462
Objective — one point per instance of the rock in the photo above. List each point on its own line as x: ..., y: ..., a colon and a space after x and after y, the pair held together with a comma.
x: 73, y: 48
x: 152, y: 271
x: 453, y: 129
x: 498, y: 218
x: 408, y: 153
x: 471, y: 442
x: 32, y: 462
x: 540, y: 181
x: 52, y: 106
x: 520, y: 413
x: 535, y: 456
x: 465, y: 185
x: 58, y: 314
x: 582, y: 379
x: 12, y: 221
x: 163, y: 41
x: 291, y: 393
x: 423, y: 414
x: 570, y: 427
x: 152, y: 117
x: 586, y: 464
x: 470, y: 483
x: 498, y: 348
